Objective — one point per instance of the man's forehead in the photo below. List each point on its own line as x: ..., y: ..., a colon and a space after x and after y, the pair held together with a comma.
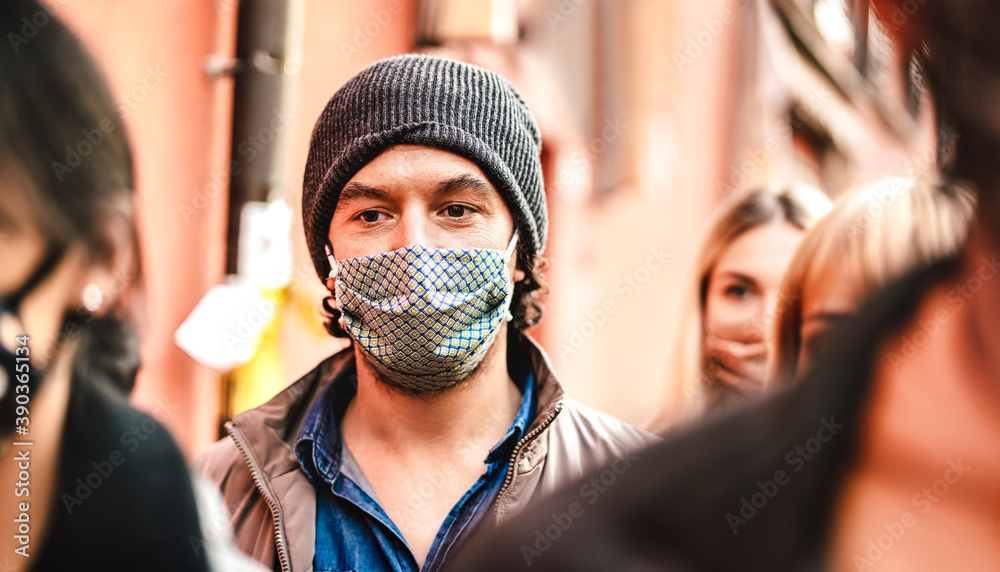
x: 406, y: 158
x: 405, y: 169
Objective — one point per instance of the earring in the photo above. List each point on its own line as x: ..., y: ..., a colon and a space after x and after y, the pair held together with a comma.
x: 93, y: 297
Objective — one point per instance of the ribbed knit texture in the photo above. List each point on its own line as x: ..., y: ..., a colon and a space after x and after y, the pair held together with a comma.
x: 425, y: 100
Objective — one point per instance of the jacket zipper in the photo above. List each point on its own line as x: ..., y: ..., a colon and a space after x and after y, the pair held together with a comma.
x: 517, y: 451
x: 279, y: 538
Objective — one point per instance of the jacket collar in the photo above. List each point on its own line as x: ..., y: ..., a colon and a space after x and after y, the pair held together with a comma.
x: 271, y: 430
x: 550, y: 392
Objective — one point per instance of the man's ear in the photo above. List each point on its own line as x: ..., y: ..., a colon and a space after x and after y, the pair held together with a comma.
x: 518, y: 274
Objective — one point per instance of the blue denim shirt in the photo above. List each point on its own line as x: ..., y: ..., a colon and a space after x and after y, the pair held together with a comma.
x: 353, y: 532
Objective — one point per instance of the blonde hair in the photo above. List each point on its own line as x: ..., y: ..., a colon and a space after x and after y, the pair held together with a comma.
x: 799, y: 205
x: 873, y: 235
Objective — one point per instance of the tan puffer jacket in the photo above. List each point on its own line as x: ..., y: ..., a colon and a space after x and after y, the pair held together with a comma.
x: 273, y: 504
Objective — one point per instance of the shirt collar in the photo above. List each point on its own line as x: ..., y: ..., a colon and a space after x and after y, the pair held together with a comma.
x: 319, y: 443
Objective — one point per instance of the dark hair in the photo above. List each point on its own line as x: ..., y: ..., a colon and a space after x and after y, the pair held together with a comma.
x: 527, y: 307
x: 63, y: 144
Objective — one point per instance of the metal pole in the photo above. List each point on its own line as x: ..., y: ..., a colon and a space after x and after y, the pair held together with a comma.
x: 268, y: 57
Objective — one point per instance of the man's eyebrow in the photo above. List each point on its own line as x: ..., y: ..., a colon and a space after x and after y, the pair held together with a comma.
x: 355, y: 191
x: 465, y: 181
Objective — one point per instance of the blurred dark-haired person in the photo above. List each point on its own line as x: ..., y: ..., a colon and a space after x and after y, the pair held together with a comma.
x: 89, y: 483
x: 425, y: 215
x: 886, y: 455
x: 722, y: 356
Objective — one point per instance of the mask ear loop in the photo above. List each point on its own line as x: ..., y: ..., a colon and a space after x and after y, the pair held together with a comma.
x: 331, y: 279
x: 510, y: 246
x: 507, y: 254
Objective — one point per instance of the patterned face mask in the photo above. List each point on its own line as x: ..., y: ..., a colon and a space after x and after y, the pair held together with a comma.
x: 425, y: 316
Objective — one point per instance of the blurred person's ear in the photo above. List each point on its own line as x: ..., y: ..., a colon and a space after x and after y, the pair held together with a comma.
x: 110, y: 279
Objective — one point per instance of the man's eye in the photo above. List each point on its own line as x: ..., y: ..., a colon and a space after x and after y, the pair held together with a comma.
x: 370, y: 216
x: 457, y: 211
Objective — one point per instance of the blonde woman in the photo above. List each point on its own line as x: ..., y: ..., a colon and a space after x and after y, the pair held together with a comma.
x: 722, y: 354
x: 873, y: 236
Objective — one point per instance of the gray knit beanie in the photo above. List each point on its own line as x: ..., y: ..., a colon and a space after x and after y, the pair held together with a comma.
x: 425, y: 100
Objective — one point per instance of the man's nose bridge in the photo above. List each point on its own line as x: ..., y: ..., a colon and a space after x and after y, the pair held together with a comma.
x: 412, y: 229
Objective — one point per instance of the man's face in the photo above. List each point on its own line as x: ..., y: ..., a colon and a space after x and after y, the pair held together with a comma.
x: 419, y: 195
